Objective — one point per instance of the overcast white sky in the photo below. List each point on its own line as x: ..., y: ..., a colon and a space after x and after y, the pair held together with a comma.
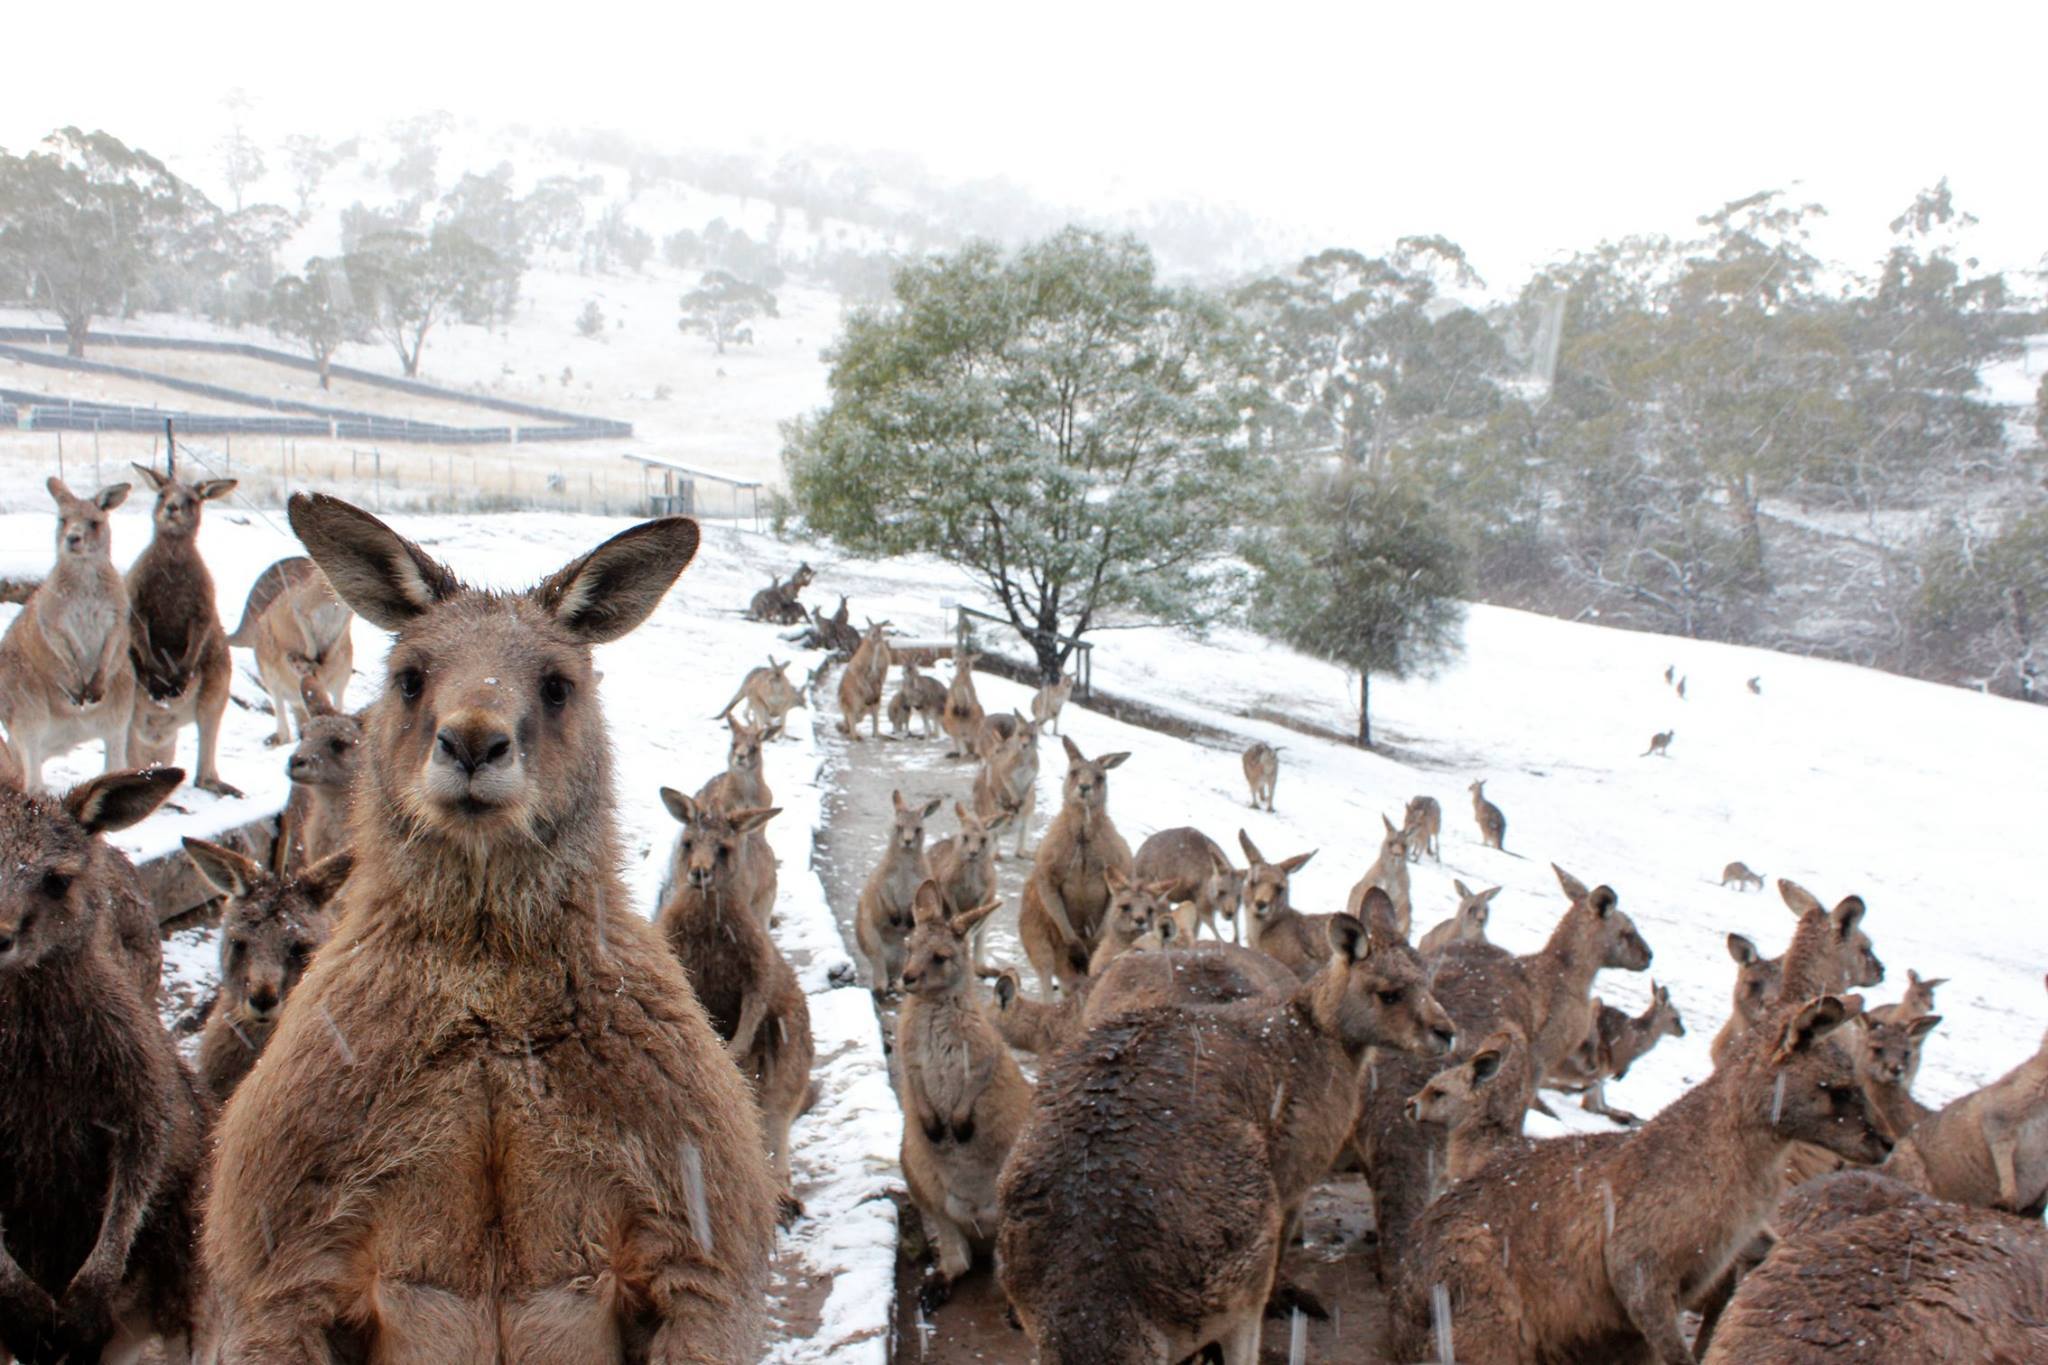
x: 1522, y: 130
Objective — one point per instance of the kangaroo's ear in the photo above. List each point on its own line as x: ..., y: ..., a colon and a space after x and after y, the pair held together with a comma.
x: 1168, y: 929
x: 1297, y: 862
x: 383, y: 577
x: 1486, y: 896
x: 1922, y: 1026
x: 679, y: 805
x: 113, y: 801
x: 1741, y: 949
x: 932, y: 805
x: 1115, y: 760
x: 1379, y: 917
x: 1157, y: 890
x: 746, y: 820
x: 156, y: 480
x: 325, y: 878
x: 896, y: 796
x: 1816, y: 1019
x: 1006, y: 989
x: 1389, y: 824
x: 926, y: 907
x: 1073, y: 750
x: 965, y: 922
x: 110, y: 497
x: 1573, y: 887
x: 1797, y: 898
x: 60, y: 491
x: 960, y: 810
x: 606, y: 593
x: 1485, y: 1065
x: 1603, y: 900
x: 228, y: 872
x: 1251, y: 850
x: 1464, y: 891
x: 215, y: 488
x: 1349, y: 941
x: 1114, y: 876
x: 1848, y: 915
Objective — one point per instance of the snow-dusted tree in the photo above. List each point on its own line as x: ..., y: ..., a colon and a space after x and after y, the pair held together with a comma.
x: 1360, y: 571
x: 1056, y: 422
x: 405, y: 283
x: 722, y: 306
x: 316, y: 310
x: 590, y: 322
x: 241, y: 160
x: 311, y: 159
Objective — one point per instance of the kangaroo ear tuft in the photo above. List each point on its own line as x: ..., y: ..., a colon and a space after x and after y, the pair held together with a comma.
x: 606, y: 593
x: 383, y: 577
x: 1349, y: 941
x: 112, y: 802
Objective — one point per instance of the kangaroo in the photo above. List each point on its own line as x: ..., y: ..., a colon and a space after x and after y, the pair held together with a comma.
x: 1887, y: 1061
x: 743, y: 784
x: 882, y: 920
x: 1660, y: 744
x: 1261, y: 772
x: 1198, y: 974
x: 961, y: 716
x: 64, y: 671
x: 1050, y: 700
x: 1630, y: 1246
x: 495, y: 1121
x: 1135, y: 908
x: 1903, y: 1277
x: 770, y: 697
x: 1422, y: 827
x: 270, y: 929
x: 103, y: 1144
x: 1918, y: 999
x: 1493, y: 826
x: 1163, y: 1099
x: 964, y: 866
x: 1756, y: 686
x: 1830, y: 951
x: 993, y: 731
x: 777, y: 603
x: 1467, y: 924
x: 1389, y: 874
x: 1033, y: 1025
x: 175, y: 641
x: 860, y: 685
x: 920, y: 696
x: 964, y: 1100
x: 1756, y: 990
x: 1681, y: 689
x: 1203, y: 886
x: 1988, y: 1148
x: 1274, y: 926
x: 1738, y: 874
x: 1068, y: 892
x: 323, y: 773
x: 1479, y: 1102
x: 835, y: 632
x: 1617, y: 1039
x: 1006, y: 788
x: 300, y: 632
x: 741, y: 978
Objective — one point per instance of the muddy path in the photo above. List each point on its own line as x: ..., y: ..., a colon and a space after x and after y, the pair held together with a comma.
x: 1335, y: 1258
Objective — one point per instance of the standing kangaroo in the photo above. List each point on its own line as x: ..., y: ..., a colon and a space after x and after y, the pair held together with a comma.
x: 1261, y: 772
x: 964, y: 866
x: 1068, y: 892
x: 1493, y: 826
x: 175, y: 641
x: 300, y: 632
x: 1006, y: 788
x: 1467, y: 924
x: 1273, y: 925
x: 1423, y: 826
x: 1389, y: 874
x: 1203, y: 886
x: 964, y: 1100
x: 64, y: 671
x: 1049, y: 700
x: 322, y: 770
x: 860, y: 685
x: 494, y: 1123
x: 1660, y: 744
x: 881, y: 924
x: 961, y: 716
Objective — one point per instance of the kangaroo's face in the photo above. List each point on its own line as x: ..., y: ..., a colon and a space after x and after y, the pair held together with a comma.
x: 1664, y: 1020
x: 1620, y: 947
x: 178, y: 504
x: 1265, y: 884
x: 1858, y: 957
x: 82, y: 528
x: 745, y: 754
x: 1756, y: 978
x: 1381, y: 992
x: 327, y: 752
x: 54, y: 873
x: 907, y: 830
x: 1814, y: 1094
x: 1393, y: 845
x: 1891, y: 1050
x: 1134, y: 907
x: 708, y: 850
x: 973, y: 840
x: 1087, y: 784
x: 937, y: 958
x: 1223, y: 891
x: 1459, y: 1092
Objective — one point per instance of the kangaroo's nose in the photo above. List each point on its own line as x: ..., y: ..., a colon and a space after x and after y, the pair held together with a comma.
x: 1448, y: 1037
x: 6, y: 943
x: 473, y: 748
x: 263, y: 999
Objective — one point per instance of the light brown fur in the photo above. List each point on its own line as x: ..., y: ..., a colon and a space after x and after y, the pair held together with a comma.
x: 881, y: 926
x: 1006, y: 788
x: 1493, y: 825
x: 860, y: 684
x: 1738, y: 874
x: 1422, y: 824
x: 1389, y: 874
x: 961, y: 715
x: 322, y: 768
x: 919, y: 696
x: 1204, y: 887
x: 1614, y: 1044
x: 1049, y: 700
x: 1261, y: 773
x: 1068, y: 893
x: 964, y: 866
x: 300, y: 632
x: 1272, y: 924
x: 770, y: 697
x: 1135, y: 909
x: 1479, y: 1103
x: 1467, y: 923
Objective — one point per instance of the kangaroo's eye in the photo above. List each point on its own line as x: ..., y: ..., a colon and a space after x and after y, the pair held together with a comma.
x: 555, y: 690
x: 1840, y: 1096
x: 410, y: 682
x: 1389, y: 997
x: 337, y: 747
x: 54, y: 885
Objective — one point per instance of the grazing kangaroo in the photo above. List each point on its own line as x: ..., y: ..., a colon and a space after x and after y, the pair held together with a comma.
x: 1891, y: 1275
x: 1467, y: 923
x: 1479, y: 1103
x: 860, y: 685
x: 1422, y: 825
x: 1988, y: 1148
x: 1660, y: 744
x: 1738, y: 874
x: 103, y: 1141
x: 1117, y: 1242
x: 964, y: 866
x: 1135, y: 909
x: 1612, y: 1047
x: 881, y: 926
x: 1006, y: 788
x: 269, y: 931
x: 770, y: 697
x: 1589, y: 1249
x: 1261, y: 772
x: 323, y: 774
x: 1049, y: 700
x: 495, y: 1122
x: 741, y: 978
x: 1493, y: 826
x: 300, y: 632
x: 1389, y: 874
x: 1203, y: 886
x: 777, y: 603
x: 961, y: 716
x: 1273, y: 926
x: 64, y: 671
x: 175, y: 641
x: 964, y: 1100
x: 1068, y: 892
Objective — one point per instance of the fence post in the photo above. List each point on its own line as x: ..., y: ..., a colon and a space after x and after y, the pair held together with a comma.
x: 60, y: 453
x: 377, y: 475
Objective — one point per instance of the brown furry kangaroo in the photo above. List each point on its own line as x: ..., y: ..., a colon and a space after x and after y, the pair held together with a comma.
x: 1204, y: 887
x: 175, y: 641
x: 770, y: 697
x: 1068, y: 893
x: 961, y: 716
x: 1493, y: 826
x: 1756, y: 991
x: 1829, y: 952
x: 777, y: 603
x: 269, y: 931
x: 300, y: 632
x: 1050, y: 700
x: 1006, y: 788
x: 1589, y: 1250
x: 964, y: 1100
x: 1660, y: 744
x: 1261, y: 773
x: 964, y: 866
x: 1889, y: 1274
x: 1134, y: 909
x: 1467, y: 923
x: 860, y: 685
x: 1918, y: 999
x: 1196, y: 974
x: 1389, y: 874
x: 1740, y: 877
x: 1887, y: 1060
x: 1615, y: 1043
x: 881, y: 925
x: 1273, y: 925
x: 1422, y: 827
x: 103, y: 1141
x: 323, y: 773
x: 495, y: 1122
x: 64, y: 671
x: 1147, y: 1203
x: 1479, y: 1103
x: 741, y: 978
